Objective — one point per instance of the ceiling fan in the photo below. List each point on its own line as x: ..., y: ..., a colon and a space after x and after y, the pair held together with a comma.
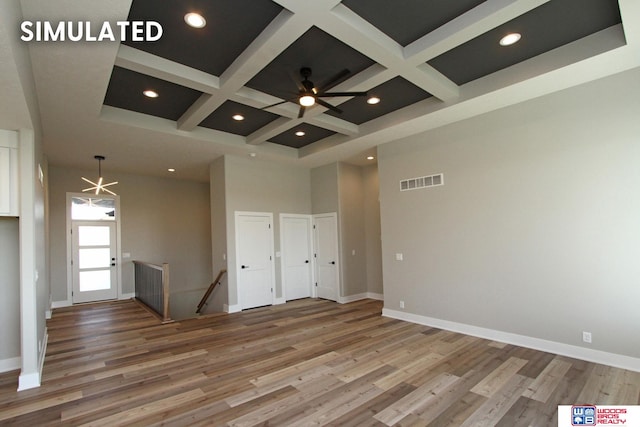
x: 309, y: 94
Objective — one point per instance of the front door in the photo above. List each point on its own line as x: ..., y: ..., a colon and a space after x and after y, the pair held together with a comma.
x: 94, y: 261
x: 326, y: 251
x: 296, y: 255
x: 254, y: 251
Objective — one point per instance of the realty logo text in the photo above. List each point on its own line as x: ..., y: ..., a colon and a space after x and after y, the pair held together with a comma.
x: 590, y: 415
x: 86, y: 31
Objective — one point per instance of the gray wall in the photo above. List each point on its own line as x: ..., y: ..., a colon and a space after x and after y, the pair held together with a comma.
x: 163, y: 220
x: 255, y: 185
x: 324, y: 189
x: 373, y: 243
x: 9, y: 289
x: 353, y: 272
x: 537, y: 228
x: 220, y: 295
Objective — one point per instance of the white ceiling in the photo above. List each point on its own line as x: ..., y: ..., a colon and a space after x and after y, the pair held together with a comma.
x: 71, y: 80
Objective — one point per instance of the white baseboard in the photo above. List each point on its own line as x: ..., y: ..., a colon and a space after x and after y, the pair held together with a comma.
x: 279, y: 301
x: 32, y: 379
x: 130, y: 295
x: 11, y: 364
x: 27, y: 381
x: 235, y: 308
x: 590, y: 355
x: 358, y: 297
x: 61, y: 304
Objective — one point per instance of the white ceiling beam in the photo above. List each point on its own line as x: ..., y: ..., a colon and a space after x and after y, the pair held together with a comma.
x: 334, y: 124
x: 276, y: 37
x: 477, y: 21
x: 254, y: 98
x: 161, y: 68
x: 272, y: 129
x: 310, y: 9
x: 200, y: 110
x: 353, y: 30
x: 630, y: 12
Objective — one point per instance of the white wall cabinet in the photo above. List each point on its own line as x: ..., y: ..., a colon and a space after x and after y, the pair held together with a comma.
x: 8, y: 173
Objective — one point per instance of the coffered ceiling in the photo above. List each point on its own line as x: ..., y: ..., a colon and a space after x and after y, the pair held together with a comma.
x: 430, y: 63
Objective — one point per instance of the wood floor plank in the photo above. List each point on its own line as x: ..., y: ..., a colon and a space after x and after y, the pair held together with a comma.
x: 411, y: 370
x: 416, y: 399
x: 494, y: 381
x: 131, y: 416
x: 491, y: 411
x: 544, y: 385
x: 110, y: 401
x: 307, y: 362
x: 20, y: 409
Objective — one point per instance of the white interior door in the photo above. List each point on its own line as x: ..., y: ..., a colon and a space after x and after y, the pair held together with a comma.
x: 94, y: 261
x: 295, y: 241
x: 326, y: 255
x: 254, y: 258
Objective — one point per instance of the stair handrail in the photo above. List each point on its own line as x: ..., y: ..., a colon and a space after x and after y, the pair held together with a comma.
x: 213, y: 284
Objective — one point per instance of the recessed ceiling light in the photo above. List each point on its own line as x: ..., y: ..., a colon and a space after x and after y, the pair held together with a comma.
x: 300, y: 133
x: 171, y: 170
x: 150, y: 93
x: 238, y: 117
x: 195, y: 20
x: 370, y: 157
x: 373, y: 100
x: 510, y: 39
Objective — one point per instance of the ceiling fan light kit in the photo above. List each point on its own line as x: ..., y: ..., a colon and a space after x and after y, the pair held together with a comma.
x: 309, y: 94
x: 307, y: 100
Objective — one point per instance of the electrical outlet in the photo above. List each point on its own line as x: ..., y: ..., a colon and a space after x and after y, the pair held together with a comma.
x: 401, y: 304
x: 586, y: 337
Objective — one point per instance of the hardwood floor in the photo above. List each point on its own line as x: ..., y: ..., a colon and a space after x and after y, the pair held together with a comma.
x: 309, y: 362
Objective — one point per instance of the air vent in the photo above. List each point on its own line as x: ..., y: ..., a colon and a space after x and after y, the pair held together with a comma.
x: 421, y: 182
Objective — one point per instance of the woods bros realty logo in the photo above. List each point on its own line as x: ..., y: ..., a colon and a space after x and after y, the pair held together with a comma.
x: 592, y: 415
x: 86, y: 31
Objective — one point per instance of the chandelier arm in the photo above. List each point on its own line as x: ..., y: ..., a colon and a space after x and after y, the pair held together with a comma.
x: 89, y: 181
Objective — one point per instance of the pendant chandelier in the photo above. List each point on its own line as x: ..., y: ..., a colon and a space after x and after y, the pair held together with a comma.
x: 99, y: 186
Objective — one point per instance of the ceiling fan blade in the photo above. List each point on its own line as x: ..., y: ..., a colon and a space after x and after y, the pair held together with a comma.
x: 277, y: 103
x: 301, y: 112
x: 335, y: 80
x: 328, y: 94
x: 329, y: 106
x: 296, y: 79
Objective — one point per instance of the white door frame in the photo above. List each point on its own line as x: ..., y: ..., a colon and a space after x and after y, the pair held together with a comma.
x: 268, y: 215
x: 70, y: 245
x: 312, y: 264
x: 337, y: 252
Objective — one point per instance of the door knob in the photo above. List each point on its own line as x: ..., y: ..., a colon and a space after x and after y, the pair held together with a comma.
x: 306, y: 262
x: 244, y: 266
x: 332, y: 262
